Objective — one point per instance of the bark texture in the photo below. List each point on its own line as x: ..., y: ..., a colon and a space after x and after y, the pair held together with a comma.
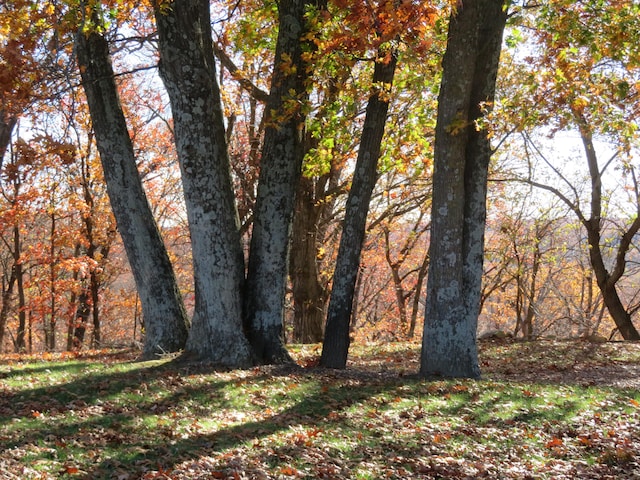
x: 336, y: 341
x: 165, y: 317
x: 189, y: 74
x: 280, y: 169
x: 461, y: 160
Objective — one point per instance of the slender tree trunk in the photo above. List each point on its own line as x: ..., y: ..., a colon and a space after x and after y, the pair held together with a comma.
x: 73, y: 304
x: 189, y: 74
x: 50, y: 323
x: 313, y: 208
x: 94, y: 289
x: 336, y: 341
x: 607, y: 286
x: 280, y: 168
x: 606, y: 279
x: 81, y: 318
x: 165, y: 316
x: 20, y: 344
x: 422, y: 275
x: 7, y: 293
x: 461, y: 162
x: 7, y: 124
x: 401, y: 296
x: 527, y: 327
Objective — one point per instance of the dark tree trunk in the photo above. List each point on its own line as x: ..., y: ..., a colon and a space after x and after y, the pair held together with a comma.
x: 49, y: 326
x: 6, y: 128
x: 280, y: 168
x: 94, y: 289
x: 7, y: 293
x: 309, y: 295
x: 422, y: 275
x: 315, y: 201
x: 336, y: 341
x: 20, y: 343
x: 461, y: 162
x: 165, y: 317
x: 189, y: 74
x: 73, y: 304
x: 606, y: 279
x: 81, y: 318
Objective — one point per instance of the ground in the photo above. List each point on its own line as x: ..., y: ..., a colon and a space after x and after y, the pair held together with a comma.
x: 546, y: 409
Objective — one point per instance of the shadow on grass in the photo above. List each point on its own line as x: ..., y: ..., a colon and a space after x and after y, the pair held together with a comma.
x: 86, y: 388
x: 111, y: 438
x: 45, y: 367
x: 313, y: 410
x: 92, y: 423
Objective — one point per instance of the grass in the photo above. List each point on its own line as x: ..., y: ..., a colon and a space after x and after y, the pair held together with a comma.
x: 543, y: 410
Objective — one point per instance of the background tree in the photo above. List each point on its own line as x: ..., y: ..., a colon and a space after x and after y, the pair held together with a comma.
x: 585, y: 80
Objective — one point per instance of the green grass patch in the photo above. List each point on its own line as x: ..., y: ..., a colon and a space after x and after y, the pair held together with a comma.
x: 84, y: 418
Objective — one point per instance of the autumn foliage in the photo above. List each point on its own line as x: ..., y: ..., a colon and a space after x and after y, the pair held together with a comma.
x: 62, y: 263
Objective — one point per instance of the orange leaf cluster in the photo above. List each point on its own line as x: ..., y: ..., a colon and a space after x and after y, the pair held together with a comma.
x: 368, y: 25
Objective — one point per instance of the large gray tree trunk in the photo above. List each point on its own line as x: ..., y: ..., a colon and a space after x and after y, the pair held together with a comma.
x: 280, y: 168
x: 189, y: 74
x: 461, y: 160
x: 336, y: 339
x: 166, y: 321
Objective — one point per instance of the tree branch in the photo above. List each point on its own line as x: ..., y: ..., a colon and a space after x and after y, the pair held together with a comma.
x: 244, y: 82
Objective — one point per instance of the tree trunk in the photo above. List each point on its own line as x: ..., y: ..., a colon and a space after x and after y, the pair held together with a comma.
x: 189, y: 74
x: 607, y: 286
x: 94, y: 288
x: 422, y: 274
x: 50, y: 323
x: 309, y: 296
x: 605, y: 279
x: 6, y: 128
x: 81, y: 318
x: 336, y: 341
x: 461, y: 162
x: 20, y: 343
x: 165, y: 317
x: 280, y: 168
x: 7, y: 292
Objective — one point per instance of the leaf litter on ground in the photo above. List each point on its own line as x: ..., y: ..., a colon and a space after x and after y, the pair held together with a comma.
x: 546, y: 409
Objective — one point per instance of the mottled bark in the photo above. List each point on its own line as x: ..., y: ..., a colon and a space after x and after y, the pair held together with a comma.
x: 189, y: 74
x: 165, y: 317
x: 280, y: 169
x: 461, y: 160
x: 336, y: 341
